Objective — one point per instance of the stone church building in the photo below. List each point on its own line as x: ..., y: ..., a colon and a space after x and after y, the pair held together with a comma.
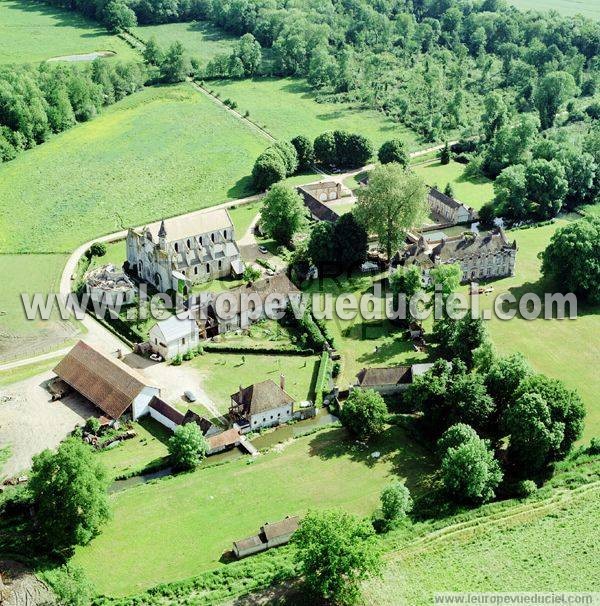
x: 190, y: 249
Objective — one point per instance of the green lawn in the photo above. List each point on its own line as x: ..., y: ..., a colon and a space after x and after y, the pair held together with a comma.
x: 133, y: 164
x: 588, y: 8
x: 286, y: 107
x: 472, y: 193
x: 242, y: 216
x: 181, y: 526
x: 29, y: 274
x: 223, y: 373
x: 565, y: 349
x: 31, y: 31
x: 201, y: 39
x: 550, y: 553
x: 134, y: 454
x: 363, y: 342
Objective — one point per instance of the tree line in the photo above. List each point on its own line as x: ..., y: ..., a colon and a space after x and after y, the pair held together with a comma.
x: 37, y: 101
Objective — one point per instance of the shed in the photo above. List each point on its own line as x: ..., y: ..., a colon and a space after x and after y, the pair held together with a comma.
x: 174, y: 336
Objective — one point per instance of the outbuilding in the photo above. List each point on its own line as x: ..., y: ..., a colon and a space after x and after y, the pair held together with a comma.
x: 174, y: 336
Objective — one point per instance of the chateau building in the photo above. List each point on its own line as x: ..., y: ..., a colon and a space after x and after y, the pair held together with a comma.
x: 482, y: 256
x: 449, y: 209
x: 185, y: 250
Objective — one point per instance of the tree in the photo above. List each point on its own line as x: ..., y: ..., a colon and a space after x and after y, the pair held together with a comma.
x: 470, y: 472
x: 282, y: 214
x: 118, y: 16
x: 460, y: 338
x: 394, y: 151
x: 393, y: 202
x: 552, y: 92
x: 445, y: 278
x: 268, y: 169
x: 495, y: 114
x: 187, y: 446
x: 566, y: 408
x: 455, y: 436
x: 174, y: 67
x: 249, y: 51
x: 445, y: 155
x: 580, y: 173
x: 406, y: 281
x: 470, y: 403
x: 547, y: 187
x: 511, y: 193
x: 337, y: 551
x: 572, y: 259
x: 97, y: 249
x: 351, y: 241
x: 504, y: 377
x: 69, y: 490
x: 396, y: 503
x: 364, y: 413
x: 321, y: 244
x: 152, y: 53
x: 487, y: 215
x: 449, y: 190
x: 325, y: 149
x: 251, y: 274
x: 289, y: 156
x: 305, y: 152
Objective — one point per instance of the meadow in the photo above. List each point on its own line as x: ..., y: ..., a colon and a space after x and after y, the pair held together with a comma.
x: 31, y: 31
x: 565, y: 349
x: 133, y: 164
x: 474, y: 193
x: 503, y: 557
x: 180, y: 526
x: 223, y: 373
x: 29, y: 274
x: 201, y: 39
x: 286, y: 107
x: 587, y: 8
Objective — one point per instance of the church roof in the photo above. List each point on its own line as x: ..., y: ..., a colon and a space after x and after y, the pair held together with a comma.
x: 194, y: 224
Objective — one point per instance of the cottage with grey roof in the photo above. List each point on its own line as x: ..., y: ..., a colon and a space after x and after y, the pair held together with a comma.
x: 185, y: 250
x: 263, y: 404
x: 449, y: 209
x: 174, y: 336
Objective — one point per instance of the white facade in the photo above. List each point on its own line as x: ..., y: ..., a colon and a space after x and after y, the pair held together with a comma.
x: 168, y: 423
x: 141, y: 404
x: 174, y: 337
x: 270, y: 418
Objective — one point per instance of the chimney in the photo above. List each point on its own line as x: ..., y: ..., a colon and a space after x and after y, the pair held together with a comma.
x: 240, y: 394
x: 282, y: 382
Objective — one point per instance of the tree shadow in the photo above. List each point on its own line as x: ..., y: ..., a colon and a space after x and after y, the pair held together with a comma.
x: 241, y: 188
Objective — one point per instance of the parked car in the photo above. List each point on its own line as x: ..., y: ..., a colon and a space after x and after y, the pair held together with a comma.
x: 190, y: 396
x: 270, y: 272
x: 263, y: 250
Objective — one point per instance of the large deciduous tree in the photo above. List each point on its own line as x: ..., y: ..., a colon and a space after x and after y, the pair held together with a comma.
x: 364, y: 413
x: 552, y: 92
x: 305, y: 152
x: 572, y: 259
x: 282, y: 214
x: 547, y: 187
x: 187, y: 446
x: 69, y: 490
x: 393, y: 151
x: 393, y: 202
x: 337, y: 551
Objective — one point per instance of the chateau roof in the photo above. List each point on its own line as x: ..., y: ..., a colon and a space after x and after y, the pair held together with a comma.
x: 106, y: 382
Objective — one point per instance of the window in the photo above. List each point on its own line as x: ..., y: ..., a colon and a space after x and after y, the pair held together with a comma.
x: 176, y: 247
x: 183, y: 340
x: 212, y: 237
x: 225, y: 234
x: 271, y: 416
x: 278, y: 414
x: 200, y: 240
x: 288, y: 412
x: 195, y: 269
x: 220, y: 264
x: 189, y: 243
x: 208, y: 268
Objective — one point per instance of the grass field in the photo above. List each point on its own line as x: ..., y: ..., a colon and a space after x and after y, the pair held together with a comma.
x: 530, y: 556
x: 588, y: 8
x: 201, y: 39
x: 564, y: 349
x: 29, y: 274
x: 31, y: 32
x: 180, y: 526
x: 362, y: 342
x: 134, y: 163
x: 223, y: 373
x: 287, y: 107
x: 472, y: 193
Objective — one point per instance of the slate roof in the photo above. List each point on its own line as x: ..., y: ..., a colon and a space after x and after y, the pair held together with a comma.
x: 175, y: 328
x: 393, y: 375
x: 317, y: 208
x: 249, y: 543
x: 107, y: 382
x: 261, y: 397
x: 185, y: 226
x: 166, y: 410
x: 192, y: 417
x: 278, y: 529
x: 444, y: 199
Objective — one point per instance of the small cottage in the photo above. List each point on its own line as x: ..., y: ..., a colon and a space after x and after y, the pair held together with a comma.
x: 174, y: 336
x: 390, y: 380
x: 264, y: 404
x: 270, y: 535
